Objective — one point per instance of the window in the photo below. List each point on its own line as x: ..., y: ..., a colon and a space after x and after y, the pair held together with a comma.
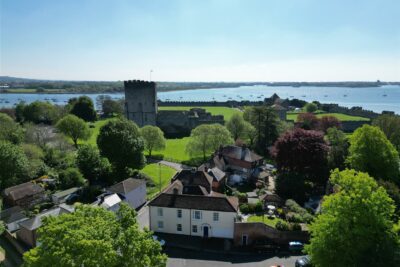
x: 179, y: 213
x: 194, y: 228
x: 197, y: 215
x: 179, y: 227
x: 160, y: 212
x: 244, y: 240
x: 160, y: 224
x: 216, y: 216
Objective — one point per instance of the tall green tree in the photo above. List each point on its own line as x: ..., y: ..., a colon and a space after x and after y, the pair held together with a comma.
x: 370, y: 151
x: 338, y: 148
x: 92, y: 237
x: 237, y: 126
x: 9, y: 130
x: 390, y: 125
x: 207, y: 138
x: 310, y: 107
x: 83, y: 108
x: 95, y: 169
x: 153, y: 138
x: 70, y: 177
x: 112, y: 107
x: 265, y: 120
x: 250, y: 133
x: 13, y: 165
x: 74, y: 127
x: 38, y: 112
x: 355, y: 227
x: 121, y: 143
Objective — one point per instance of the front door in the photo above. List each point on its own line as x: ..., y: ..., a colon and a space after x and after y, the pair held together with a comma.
x: 205, y: 232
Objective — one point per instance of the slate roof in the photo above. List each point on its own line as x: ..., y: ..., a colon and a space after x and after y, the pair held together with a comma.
x: 216, y: 173
x: 240, y: 153
x: 194, y: 178
x: 35, y: 222
x: 12, y: 215
x: 65, y: 193
x: 178, y: 188
x: 22, y: 190
x: 213, y: 203
x: 126, y: 186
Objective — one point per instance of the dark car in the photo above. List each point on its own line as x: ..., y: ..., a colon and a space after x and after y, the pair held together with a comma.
x: 303, y: 262
x: 296, y: 247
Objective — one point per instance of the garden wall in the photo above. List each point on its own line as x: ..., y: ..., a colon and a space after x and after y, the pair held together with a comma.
x: 260, y: 231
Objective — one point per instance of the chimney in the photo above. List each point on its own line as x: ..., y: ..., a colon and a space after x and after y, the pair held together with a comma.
x: 194, y: 169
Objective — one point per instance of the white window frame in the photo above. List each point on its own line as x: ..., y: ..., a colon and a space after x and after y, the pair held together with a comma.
x: 199, y: 213
x: 194, y: 227
x: 179, y: 226
x: 160, y: 225
x: 179, y: 213
x: 215, y: 216
x: 160, y: 212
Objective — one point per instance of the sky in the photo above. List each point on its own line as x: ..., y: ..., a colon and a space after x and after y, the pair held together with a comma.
x: 201, y: 40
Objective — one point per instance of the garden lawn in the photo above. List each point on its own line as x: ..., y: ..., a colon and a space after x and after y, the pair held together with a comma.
x: 95, y: 131
x: 227, y: 112
x: 342, y: 117
x: 259, y: 218
x: 175, y: 150
x: 153, y: 171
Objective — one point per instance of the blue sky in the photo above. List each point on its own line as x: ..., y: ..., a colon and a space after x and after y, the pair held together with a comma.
x: 201, y: 40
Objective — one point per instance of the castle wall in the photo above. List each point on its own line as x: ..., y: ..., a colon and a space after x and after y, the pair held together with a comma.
x: 141, y: 102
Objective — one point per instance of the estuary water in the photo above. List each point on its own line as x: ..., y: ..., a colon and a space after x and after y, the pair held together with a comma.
x: 371, y: 98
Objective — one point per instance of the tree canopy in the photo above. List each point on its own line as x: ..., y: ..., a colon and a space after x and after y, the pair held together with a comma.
x: 390, y: 125
x: 38, y: 112
x: 121, y: 143
x: 206, y: 138
x: 83, y: 108
x: 237, y: 126
x: 73, y: 127
x: 310, y: 107
x: 355, y: 227
x: 153, y: 138
x: 13, y: 165
x: 92, y: 237
x: 266, y: 121
x: 370, y: 151
x: 307, y: 121
x: 70, y: 177
x: 338, y: 148
x: 302, y: 151
x: 327, y: 122
x: 9, y: 130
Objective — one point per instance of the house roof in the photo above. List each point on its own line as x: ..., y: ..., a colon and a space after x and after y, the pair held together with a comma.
x: 126, y: 186
x: 177, y: 187
x: 278, y: 107
x: 240, y: 153
x: 35, y: 222
x: 65, y: 193
x: 214, y: 203
x: 22, y: 190
x: 194, y: 178
x: 11, y: 215
x: 216, y: 173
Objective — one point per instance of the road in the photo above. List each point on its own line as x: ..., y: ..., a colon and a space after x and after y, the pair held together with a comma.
x: 183, y: 258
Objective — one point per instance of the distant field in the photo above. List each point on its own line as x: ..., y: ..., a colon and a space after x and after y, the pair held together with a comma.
x: 32, y: 90
x: 342, y: 117
x: 153, y: 171
x: 227, y: 112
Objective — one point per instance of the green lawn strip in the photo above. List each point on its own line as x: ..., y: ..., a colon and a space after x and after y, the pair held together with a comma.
x: 267, y: 221
x: 340, y: 116
x: 153, y: 171
x: 175, y: 150
x: 95, y: 131
x: 227, y: 112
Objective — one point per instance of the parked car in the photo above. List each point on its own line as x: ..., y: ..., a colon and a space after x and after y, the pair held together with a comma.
x: 295, y: 246
x: 161, y: 241
x: 303, y: 262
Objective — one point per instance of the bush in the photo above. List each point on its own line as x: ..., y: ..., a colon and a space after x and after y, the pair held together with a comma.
x: 70, y: 177
x: 300, y: 214
x: 296, y: 227
x: 258, y: 207
x: 244, y: 208
x: 282, y: 226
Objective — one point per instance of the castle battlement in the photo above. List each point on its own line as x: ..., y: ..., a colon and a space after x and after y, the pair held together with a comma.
x: 133, y: 84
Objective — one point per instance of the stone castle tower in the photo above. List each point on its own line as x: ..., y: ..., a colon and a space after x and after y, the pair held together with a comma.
x: 141, y: 102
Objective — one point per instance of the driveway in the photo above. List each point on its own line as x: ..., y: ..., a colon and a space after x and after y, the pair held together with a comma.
x: 183, y: 258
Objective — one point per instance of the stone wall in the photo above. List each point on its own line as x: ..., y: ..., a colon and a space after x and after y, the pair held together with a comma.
x: 257, y: 231
x: 232, y: 103
x: 351, y: 126
x: 141, y: 102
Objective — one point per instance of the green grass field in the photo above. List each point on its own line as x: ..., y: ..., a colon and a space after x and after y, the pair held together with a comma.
x: 267, y: 221
x: 153, y: 171
x: 227, y: 112
x: 175, y: 150
x: 95, y: 131
x: 342, y: 117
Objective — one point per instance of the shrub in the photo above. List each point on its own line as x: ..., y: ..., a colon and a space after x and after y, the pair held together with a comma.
x: 244, y: 208
x: 282, y: 226
x: 296, y: 227
x: 258, y: 207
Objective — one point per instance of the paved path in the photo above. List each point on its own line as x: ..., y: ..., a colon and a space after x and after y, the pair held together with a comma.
x: 177, y: 166
x: 143, y: 217
x: 182, y: 258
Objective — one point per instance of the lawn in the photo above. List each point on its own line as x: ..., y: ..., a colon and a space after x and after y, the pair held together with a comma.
x: 153, y: 171
x: 175, y: 150
x: 342, y: 117
x: 95, y: 131
x: 267, y: 221
x: 227, y: 112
